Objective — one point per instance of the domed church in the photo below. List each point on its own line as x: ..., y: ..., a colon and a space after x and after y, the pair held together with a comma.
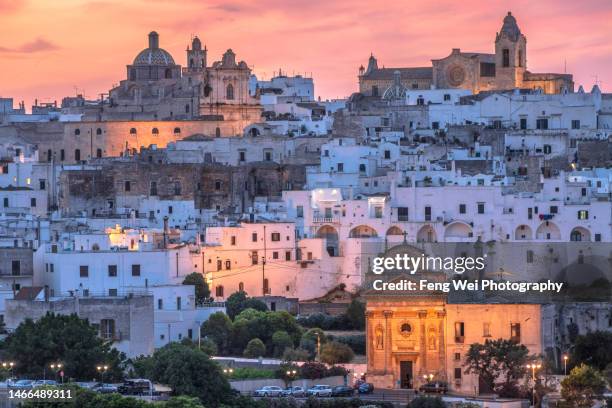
x: 153, y: 63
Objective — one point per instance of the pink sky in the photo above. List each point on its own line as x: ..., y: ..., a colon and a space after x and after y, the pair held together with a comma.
x: 47, y: 48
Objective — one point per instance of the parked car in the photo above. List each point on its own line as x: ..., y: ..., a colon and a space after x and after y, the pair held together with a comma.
x: 438, y: 387
x: 269, y: 391
x: 297, y: 392
x: 320, y: 391
x: 365, y: 388
x: 22, y: 384
x: 342, y: 391
x: 41, y: 383
x: 103, y: 388
x: 136, y: 387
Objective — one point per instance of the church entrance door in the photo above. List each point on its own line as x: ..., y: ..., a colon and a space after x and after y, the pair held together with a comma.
x: 406, y: 374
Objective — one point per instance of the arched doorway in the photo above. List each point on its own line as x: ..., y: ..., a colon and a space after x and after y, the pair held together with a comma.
x: 580, y: 234
x: 427, y: 234
x: 363, y: 231
x: 330, y: 235
x: 457, y: 230
x: 523, y: 233
x: 548, y: 231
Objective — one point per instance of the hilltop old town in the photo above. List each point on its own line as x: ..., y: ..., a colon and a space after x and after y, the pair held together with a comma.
x: 197, y: 212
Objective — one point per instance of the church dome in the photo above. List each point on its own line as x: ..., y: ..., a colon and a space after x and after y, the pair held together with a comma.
x: 154, y: 55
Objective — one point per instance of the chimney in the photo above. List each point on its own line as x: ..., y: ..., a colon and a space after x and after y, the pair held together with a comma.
x: 166, y: 231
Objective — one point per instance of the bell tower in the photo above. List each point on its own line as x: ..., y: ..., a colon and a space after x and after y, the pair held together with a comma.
x: 510, y: 55
x: 196, y: 56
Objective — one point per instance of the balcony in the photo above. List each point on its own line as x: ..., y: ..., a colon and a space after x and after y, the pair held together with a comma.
x: 325, y: 220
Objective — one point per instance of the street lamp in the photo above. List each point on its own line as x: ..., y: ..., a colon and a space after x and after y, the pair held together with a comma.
x: 533, y: 367
x: 565, y: 358
x: 8, y: 365
x: 228, y: 371
x: 102, y: 370
x: 57, y: 367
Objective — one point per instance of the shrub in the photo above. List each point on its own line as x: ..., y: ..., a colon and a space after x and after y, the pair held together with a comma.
x: 356, y: 342
x: 244, y: 373
x: 255, y: 348
x: 298, y: 354
x: 334, y: 352
x: 427, y: 402
x: 313, y: 370
x: 209, y: 347
x: 281, y: 341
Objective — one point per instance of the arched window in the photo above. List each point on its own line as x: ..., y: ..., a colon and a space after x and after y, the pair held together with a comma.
x: 217, y: 132
x: 406, y: 328
x: 241, y: 287
x: 77, y: 132
x: 229, y: 92
x: 177, y: 131
x: 168, y: 73
x: 218, y: 185
x: 98, y: 131
x: 186, y: 108
x: 155, y: 131
x: 132, y: 131
x: 98, y: 153
x: 191, y: 63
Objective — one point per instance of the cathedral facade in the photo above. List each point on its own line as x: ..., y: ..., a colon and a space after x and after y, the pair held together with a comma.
x: 505, y: 69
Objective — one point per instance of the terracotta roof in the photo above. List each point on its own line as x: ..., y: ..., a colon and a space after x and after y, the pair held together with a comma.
x: 28, y: 293
x: 405, y: 73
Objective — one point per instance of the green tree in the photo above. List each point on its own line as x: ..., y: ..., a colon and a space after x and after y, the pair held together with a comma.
x: 499, y: 364
x: 67, y: 339
x: 239, y: 301
x: 334, y: 352
x: 255, y: 348
x: 594, y: 349
x: 218, y: 328
x: 188, y: 371
x: 280, y: 342
x: 355, y: 314
x: 209, y: 347
x: 580, y: 387
x: 202, y: 291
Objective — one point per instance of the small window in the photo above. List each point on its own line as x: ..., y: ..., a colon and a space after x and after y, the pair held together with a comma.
x: 575, y: 124
x: 486, y: 329
x: 177, y: 131
x: 155, y: 131
x: 219, y: 291
x: 340, y: 167
x: 228, y: 264
x: 84, y: 271
x: 160, y: 304
x: 33, y: 202
x: 275, y: 255
x: 583, y: 215
x: 179, y: 303
x: 481, y: 208
x: 457, y: 373
x: 219, y: 264
x: 254, y: 237
x: 218, y: 184
x: 229, y: 92
x: 77, y: 132
x: 112, y: 271
x: 233, y: 240
x: 254, y: 258
x: 127, y: 186
x: 77, y: 155
x: 515, y: 332
x: 112, y: 292
x: 529, y: 256
x: 99, y: 153
x: 505, y: 57
x: 406, y: 328
x: 136, y: 270
x: 300, y: 211
x: 153, y: 188
x: 132, y: 131
x: 241, y: 287
x: 98, y: 131
x: 16, y: 268
x: 447, y: 97
x: 459, y: 332
x: 287, y: 255
x: 275, y: 236
x: 523, y: 123
x: 462, y: 208
x: 107, y: 329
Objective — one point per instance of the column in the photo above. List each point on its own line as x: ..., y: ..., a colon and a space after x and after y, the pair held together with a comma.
x: 423, y: 340
x: 442, y: 343
x: 387, y: 314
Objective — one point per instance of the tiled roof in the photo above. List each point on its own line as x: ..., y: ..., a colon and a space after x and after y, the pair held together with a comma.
x: 405, y: 73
